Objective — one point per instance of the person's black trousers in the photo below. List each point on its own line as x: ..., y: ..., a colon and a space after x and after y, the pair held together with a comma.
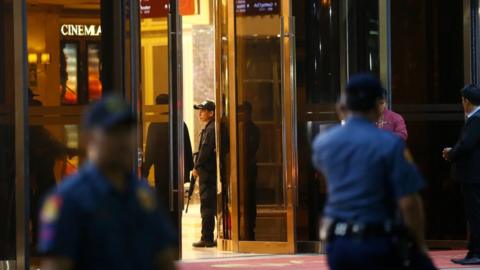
x: 208, y: 206
x: 471, y: 194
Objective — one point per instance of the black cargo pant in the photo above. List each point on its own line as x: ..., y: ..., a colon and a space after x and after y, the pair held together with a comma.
x: 208, y: 204
x: 471, y: 194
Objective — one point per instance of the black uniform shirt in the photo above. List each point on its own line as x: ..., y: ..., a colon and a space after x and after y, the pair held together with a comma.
x: 206, y: 160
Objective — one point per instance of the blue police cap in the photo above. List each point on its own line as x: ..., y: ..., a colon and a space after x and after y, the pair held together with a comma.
x: 363, y: 91
x: 109, y: 112
x: 472, y: 93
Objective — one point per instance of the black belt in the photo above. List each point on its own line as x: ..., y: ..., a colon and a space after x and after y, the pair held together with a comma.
x: 331, y: 229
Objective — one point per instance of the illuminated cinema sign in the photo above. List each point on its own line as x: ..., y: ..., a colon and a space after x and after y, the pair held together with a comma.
x: 80, y: 30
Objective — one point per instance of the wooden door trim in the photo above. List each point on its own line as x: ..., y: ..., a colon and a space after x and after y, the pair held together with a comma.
x: 265, y: 247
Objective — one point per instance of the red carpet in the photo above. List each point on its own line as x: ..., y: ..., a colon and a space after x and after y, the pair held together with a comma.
x: 300, y: 262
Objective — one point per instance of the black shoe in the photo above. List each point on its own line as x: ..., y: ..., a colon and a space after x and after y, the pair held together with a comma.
x: 475, y: 260
x: 468, y: 256
x: 470, y: 259
x: 207, y: 244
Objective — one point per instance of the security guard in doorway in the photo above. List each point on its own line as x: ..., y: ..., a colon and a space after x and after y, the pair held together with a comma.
x: 104, y: 217
x: 206, y: 170
x: 373, y: 218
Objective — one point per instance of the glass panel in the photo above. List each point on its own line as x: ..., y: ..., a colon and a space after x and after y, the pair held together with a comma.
x: 65, y: 36
x: 363, y: 37
x: 160, y: 69
x: 261, y: 181
x: 322, y: 51
x: 7, y: 137
x: 427, y: 77
x: 69, y: 73
x: 155, y: 108
x: 66, y: 45
x: 318, y: 58
x: 53, y: 156
x: 94, y: 65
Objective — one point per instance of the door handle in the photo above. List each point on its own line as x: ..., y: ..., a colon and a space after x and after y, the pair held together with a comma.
x: 293, y: 89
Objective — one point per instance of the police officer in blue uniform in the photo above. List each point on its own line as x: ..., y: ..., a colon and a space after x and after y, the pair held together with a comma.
x: 104, y: 217
x: 373, y: 218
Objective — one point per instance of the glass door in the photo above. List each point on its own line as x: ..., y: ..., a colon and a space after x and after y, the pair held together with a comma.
x: 67, y: 71
x: 263, y: 127
x: 161, y: 123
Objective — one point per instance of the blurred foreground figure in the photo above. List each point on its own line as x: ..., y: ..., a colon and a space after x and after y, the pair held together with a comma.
x: 373, y: 218
x: 104, y: 217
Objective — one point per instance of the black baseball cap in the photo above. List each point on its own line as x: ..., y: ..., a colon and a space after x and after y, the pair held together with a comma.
x: 108, y: 113
x: 472, y: 93
x: 206, y: 105
x: 363, y: 91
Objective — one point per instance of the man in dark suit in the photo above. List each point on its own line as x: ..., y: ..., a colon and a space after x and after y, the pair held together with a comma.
x: 157, y: 154
x: 465, y: 157
x: 249, y: 142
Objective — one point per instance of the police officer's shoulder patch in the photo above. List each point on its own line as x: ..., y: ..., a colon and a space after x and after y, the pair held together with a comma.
x: 51, y: 209
x: 146, y: 198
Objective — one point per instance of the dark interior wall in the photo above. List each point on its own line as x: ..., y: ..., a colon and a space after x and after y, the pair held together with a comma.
x: 409, y: 51
x: 2, y: 56
x: 427, y: 74
x: 7, y: 138
x: 427, y: 51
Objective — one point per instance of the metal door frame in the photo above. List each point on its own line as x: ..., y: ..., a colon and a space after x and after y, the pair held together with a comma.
x: 22, y: 183
x: 175, y: 73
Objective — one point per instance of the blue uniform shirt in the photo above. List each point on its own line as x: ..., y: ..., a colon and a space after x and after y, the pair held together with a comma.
x: 367, y: 170
x: 89, y: 222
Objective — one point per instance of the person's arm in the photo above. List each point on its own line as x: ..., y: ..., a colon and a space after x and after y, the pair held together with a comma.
x: 53, y: 146
x: 401, y: 128
x: 149, y: 153
x: 468, y: 142
x: 207, y: 150
x: 188, y: 149
x: 411, y: 209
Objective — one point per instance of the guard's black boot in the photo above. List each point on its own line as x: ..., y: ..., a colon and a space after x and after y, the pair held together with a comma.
x: 201, y: 244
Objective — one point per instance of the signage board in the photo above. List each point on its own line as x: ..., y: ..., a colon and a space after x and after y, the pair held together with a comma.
x: 80, y: 30
x: 257, y: 7
x: 160, y: 8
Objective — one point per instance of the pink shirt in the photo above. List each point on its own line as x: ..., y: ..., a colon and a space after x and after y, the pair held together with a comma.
x: 393, y: 122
